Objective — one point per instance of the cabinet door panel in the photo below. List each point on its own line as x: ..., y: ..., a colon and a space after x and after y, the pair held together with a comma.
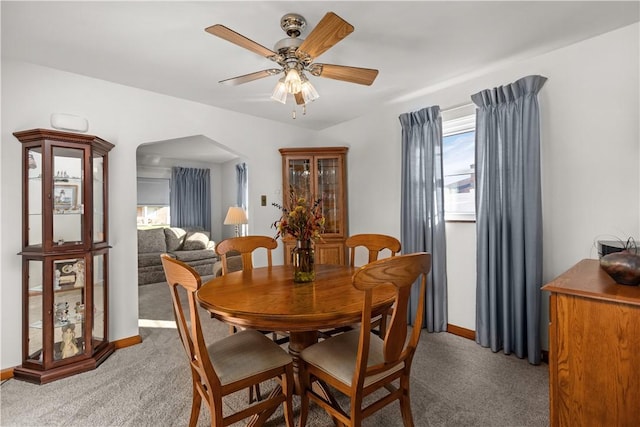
x: 330, y: 253
x: 597, y: 355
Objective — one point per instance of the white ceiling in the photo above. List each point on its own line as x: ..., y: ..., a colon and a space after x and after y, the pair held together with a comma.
x: 162, y: 46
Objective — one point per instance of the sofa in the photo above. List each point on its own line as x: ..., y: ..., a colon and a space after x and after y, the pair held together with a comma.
x: 191, y: 246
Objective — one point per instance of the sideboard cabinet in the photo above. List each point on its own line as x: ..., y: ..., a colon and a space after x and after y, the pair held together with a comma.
x: 594, y: 349
x: 320, y: 172
x: 65, y: 254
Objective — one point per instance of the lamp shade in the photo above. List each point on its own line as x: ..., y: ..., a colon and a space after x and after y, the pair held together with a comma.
x: 235, y: 216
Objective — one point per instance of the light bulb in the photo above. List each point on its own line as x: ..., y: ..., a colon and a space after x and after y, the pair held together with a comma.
x: 280, y: 92
x: 292, y: 81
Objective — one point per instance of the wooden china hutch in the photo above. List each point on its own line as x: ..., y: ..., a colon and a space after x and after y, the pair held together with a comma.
x: 320, y: 172
x: 65, y: 254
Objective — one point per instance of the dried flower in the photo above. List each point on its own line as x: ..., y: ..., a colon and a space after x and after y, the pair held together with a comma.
x: 299, y: 219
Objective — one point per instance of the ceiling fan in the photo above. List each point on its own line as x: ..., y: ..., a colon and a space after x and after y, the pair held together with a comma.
x: 295, y: 56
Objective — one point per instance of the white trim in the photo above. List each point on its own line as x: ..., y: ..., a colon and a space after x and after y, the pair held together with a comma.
x: 459, y: 125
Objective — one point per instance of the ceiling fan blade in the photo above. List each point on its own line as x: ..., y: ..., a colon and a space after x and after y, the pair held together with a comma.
x: 362, y: 76
x: 234, y: 81
x: 236, y: 38
x: 299, y: 98
x: 329, y: 31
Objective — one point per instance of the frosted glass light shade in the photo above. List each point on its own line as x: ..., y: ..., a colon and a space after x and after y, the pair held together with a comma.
x: 280, y: 92
x: 309, y: 93
x: 293, y: 81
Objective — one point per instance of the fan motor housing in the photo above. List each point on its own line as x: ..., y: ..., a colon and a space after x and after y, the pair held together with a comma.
x: 287, y: 44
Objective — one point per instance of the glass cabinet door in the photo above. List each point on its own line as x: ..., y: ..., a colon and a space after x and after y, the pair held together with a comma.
x: 98, y: 198
x: 99, y: 293
x: 34, y: 310
x: 68, y: 191
x: 299, y: 174
x: 329, y: 189
x: 34, y: 195
x: 68, y: 307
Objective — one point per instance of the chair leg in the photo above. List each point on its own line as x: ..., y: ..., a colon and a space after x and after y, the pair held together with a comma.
x: 287, y: 389
x: 304, y: 399
x: 405, y: 402
x: 356, y: 411
x: 196, y: 403
x: 258, y: 396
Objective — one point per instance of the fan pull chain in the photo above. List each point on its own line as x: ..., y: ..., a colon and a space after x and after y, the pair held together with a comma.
x: 293, y: 113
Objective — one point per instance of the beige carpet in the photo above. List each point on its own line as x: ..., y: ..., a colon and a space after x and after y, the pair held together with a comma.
x: 455, y: 383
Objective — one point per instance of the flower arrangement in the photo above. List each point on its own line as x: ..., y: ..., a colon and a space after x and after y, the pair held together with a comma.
x: 300, y: 219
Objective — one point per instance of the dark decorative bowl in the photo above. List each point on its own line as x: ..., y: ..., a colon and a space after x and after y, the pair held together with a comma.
x: 623, y: 267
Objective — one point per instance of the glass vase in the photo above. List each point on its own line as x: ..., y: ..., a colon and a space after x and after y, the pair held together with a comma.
x: 303, y: 263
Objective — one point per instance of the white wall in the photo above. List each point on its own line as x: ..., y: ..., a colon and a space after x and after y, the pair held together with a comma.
x: 590, y: 150
x: 126, y: 117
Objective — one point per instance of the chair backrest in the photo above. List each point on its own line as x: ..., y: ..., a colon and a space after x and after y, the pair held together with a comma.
x: 179, y: 274
x: 401, y: 272
x: 374, y: 243
x: 245, y: 246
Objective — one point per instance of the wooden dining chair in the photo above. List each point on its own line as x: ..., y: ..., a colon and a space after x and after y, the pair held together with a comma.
x: 375, y: 244
x: 245, y: 247
x: 358, y: 363
x: 233, y: 363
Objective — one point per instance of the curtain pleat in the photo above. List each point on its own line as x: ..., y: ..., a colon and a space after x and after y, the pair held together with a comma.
x: 241, y: 197
x: 190, y: 198
x: 422, y: 209
x: 509, y: 218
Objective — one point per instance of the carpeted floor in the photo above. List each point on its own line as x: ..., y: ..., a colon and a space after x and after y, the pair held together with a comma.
x: 455, y: 382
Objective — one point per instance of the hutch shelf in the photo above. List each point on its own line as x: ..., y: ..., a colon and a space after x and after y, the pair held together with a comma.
x: 65, y: 254
x: 320, y: 172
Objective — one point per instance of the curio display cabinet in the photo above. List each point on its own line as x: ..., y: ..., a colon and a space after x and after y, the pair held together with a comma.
x: 65, y: 254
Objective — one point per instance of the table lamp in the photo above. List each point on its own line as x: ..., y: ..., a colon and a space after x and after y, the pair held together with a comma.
x: 236, y: 216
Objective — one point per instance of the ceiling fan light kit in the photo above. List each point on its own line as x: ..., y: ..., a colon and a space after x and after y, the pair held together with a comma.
x: 295, y: 56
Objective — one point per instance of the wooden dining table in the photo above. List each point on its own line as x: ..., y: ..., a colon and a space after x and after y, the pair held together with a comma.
x: 267, y: 299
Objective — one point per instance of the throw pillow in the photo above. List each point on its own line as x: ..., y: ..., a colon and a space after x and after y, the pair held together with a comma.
x: 196, y: 240
x: 175, y: 238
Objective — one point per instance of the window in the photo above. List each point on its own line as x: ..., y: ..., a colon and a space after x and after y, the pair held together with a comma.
x: 153, y: 202
x: 153, y: 216
x: 459, y: 168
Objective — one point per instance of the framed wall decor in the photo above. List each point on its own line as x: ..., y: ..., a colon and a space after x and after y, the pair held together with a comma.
x: 65, y: 197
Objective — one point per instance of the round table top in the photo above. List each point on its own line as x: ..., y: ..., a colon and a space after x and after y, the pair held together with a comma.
x: 267, y: 298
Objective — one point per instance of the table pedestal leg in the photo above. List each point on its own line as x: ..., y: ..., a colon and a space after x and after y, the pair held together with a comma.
x: 298, y: 341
